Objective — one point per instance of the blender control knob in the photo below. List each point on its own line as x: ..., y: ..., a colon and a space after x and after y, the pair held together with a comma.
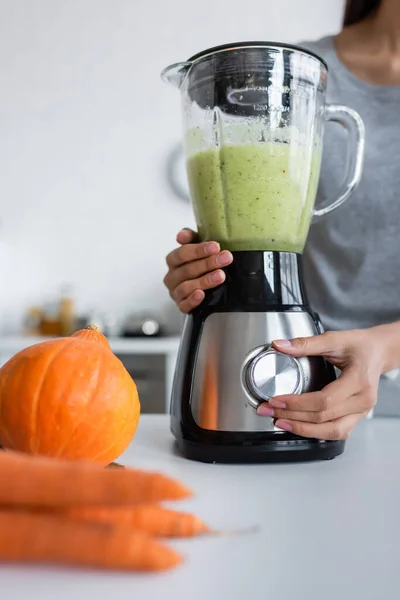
x: 271, y: 374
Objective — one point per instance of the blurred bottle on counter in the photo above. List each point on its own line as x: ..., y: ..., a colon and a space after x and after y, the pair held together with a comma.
x: 55, y: 318
x: 50, y: 323
x: 67, y: 317
x: 33, y: 320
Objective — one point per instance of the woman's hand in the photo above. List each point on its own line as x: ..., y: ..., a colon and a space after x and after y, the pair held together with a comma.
x: 193, y: 268
x: 331, y: 414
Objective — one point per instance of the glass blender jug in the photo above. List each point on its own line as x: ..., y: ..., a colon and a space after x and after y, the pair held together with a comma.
x: 253, y: 120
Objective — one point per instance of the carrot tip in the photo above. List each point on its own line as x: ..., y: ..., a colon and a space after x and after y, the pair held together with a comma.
x: 169, y: 559
x: 178, y: 491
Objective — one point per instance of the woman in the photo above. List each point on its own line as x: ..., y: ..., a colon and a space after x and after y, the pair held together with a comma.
x: 351, y: 259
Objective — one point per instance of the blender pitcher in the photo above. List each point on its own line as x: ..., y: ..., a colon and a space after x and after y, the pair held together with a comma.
x: 253, y: 120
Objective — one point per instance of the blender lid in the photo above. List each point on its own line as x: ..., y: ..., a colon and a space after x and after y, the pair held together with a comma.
x: 238, y: 45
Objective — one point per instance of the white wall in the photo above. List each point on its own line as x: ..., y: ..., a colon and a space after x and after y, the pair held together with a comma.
x: 86, y: 126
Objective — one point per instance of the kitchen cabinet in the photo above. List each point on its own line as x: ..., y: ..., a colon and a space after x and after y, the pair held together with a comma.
x: 149, y: 373
x: 150, y: 362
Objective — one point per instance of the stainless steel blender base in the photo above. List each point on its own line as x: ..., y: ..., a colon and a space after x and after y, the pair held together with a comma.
x: 226, y: 366
x: 235, y: 369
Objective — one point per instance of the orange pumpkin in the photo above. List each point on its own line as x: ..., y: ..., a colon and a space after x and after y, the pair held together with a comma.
x: 68, y: 397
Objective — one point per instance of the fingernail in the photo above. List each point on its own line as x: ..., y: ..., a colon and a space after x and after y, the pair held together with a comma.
x: 216, y: 277
x: 198, y: 296
x: 282, y: 343
x: 265, y: 411
x: 211, y: 248
x: 224, y: 259
x: 283, y: 425
x: 277, y: 403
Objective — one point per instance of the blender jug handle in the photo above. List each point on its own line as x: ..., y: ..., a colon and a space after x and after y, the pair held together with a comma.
x: 354, y: 125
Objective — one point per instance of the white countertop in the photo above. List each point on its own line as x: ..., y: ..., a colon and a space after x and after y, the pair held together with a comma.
x: 157, y: 345
x: 328, y: 531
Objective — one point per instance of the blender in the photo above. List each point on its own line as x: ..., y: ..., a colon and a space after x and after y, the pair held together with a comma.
x: 253, y: 116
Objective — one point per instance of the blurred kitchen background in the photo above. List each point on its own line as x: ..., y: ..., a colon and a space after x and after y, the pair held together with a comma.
x: 92, y: 183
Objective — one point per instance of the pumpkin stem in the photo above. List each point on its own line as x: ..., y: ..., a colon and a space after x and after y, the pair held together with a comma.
x: 92, y: 334
x: 93, y: 328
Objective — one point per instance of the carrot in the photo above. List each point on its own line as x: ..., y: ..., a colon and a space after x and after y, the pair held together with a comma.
x: 44, y: 538
x: 39, y: 481
x: 152, y: 519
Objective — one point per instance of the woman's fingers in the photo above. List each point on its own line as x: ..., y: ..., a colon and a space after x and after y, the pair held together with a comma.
x: 188, y: 287
x: 191, y: 302
x: 325, y: 400
x: 190, y: 252
x: 339, y: 429
x: 193, y: 268
x: 342, y: 397
x: 197, y: 268
x: 186, y: 236
x: 317, y: 345
x: 354, y: 404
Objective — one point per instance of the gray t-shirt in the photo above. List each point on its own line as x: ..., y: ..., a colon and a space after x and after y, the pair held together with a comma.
x: 351, y: 259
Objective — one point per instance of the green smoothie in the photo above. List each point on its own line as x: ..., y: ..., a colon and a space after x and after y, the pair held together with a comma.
x: 255, y: 196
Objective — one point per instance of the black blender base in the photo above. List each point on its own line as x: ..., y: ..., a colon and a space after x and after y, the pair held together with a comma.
x: 297, y: 450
